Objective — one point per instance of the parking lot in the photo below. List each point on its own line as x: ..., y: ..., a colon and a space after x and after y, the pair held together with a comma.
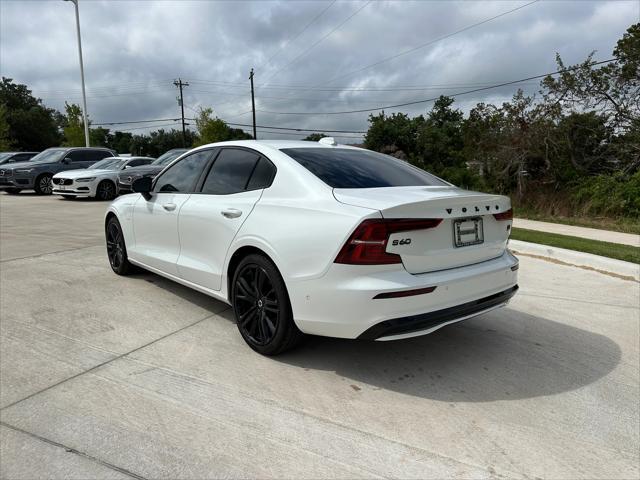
x: 111, y: 377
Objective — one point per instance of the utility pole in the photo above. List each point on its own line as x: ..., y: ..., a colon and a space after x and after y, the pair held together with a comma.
x: 84, y: 95
x: 253, y: 106
x: 179, y: 83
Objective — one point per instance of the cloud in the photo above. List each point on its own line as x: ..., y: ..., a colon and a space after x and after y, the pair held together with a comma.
x: 133, y: 50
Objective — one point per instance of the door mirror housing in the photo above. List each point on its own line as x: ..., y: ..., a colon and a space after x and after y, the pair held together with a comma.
x: 66, y: 160
x: 143, y: 185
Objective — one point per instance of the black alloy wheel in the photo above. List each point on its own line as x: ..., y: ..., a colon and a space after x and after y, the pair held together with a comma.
x: 106, y: 190
x: 44, y: 185
x: 116, y: 248
x: 261, y: 307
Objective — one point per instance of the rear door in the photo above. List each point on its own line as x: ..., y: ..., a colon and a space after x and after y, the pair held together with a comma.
x: 210, y: 218
x: 155, y: 221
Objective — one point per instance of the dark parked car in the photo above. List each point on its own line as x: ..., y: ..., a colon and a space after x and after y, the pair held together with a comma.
x: 36, y: 174
x: 15, y: 157
x: 126, y: 178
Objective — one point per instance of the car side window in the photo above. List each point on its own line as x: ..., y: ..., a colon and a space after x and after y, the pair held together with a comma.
x: 77, y: 156
x: 97, y: 155
x: 262, y: 175
x: 230, y: 172
x: 136, y: 163
x: 182, y: 176
x: 20, y: 158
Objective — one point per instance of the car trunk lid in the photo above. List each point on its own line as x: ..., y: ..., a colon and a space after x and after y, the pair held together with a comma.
x: 469, y: 232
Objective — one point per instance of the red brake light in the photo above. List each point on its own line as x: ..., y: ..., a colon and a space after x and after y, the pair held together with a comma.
x: 508, y: 215
x: 367, y: 244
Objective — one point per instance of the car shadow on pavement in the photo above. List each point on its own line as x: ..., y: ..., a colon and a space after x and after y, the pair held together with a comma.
x: 200, y: 299
x: 502, y: 355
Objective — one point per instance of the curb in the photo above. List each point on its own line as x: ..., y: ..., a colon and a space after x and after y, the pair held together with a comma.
x: 610, y: 266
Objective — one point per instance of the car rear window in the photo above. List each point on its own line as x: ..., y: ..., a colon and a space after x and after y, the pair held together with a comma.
x: 347, y: 168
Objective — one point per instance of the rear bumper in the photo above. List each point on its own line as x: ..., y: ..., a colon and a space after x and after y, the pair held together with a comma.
x: 341, y: 303
x: 429, y: 322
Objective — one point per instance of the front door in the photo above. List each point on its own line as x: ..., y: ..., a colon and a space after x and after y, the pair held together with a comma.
x: 155, y: 221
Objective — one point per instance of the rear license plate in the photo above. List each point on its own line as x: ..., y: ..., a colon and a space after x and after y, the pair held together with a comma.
x: 468, y: 231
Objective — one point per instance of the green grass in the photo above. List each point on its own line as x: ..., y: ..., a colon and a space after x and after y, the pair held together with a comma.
x: 606, y: 249
x: 624, y: 224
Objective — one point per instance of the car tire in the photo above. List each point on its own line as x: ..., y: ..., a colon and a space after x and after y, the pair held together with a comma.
x: 13, y: 191
x: 262, y: 308
x: 106, y: 190
x: 43, y: 185
x: 116, y: 248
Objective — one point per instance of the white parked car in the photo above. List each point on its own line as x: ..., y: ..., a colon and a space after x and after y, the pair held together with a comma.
x: 317, y: 238
x: 99, y: 180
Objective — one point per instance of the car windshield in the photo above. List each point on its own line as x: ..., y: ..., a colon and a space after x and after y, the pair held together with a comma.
x: 111, y: 163
x: 49, y: 155
x: 168, y: 156
x: 347, y: 168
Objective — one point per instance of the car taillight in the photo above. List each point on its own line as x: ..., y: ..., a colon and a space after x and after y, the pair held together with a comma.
x: 508, y: 215
x: 367, y: 244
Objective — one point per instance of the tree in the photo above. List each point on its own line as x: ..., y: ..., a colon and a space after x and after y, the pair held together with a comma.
x: 212, y: 130
x: 439, y: 141
x: 5, y: 141
x: 395, y: 135
x: 612, y: 90
x: 314, y: 137
x: 31, y: 125
x: 73, y: 129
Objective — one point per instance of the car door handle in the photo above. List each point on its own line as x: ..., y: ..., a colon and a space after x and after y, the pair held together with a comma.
x: 169, y: 207
x: 231, y: 212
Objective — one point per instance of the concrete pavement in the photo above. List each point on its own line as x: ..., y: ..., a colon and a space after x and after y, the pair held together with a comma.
x: 583, y: 232
x: 110, y: 377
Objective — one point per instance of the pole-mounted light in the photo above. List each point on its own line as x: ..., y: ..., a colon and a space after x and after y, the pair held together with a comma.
x: 84, y: 95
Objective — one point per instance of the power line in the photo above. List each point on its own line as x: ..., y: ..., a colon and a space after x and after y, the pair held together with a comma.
x: 228, y: 123
x: 416, y: 102
x: 290, y: 129
x: 291, y: 39
x: 317, y: 42
x: 431, y: 42
x: 137, y: 121
x: 146, y: 126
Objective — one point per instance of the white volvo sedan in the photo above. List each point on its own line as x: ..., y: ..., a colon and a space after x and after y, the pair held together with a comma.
x: 317, y: 238
x: 99, y: 180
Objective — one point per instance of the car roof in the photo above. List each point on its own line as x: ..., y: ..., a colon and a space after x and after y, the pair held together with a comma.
x: 277, y: 144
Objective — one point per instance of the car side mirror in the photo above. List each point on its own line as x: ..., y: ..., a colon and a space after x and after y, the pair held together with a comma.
x: 143, y: 185
x: 66, y: 160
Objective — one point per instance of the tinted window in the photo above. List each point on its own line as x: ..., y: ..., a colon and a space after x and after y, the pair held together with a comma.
x: 182, y: 176
x: 345, y: 168
x: 78, y: 156
x: 95, y: 155
x: 138, y: 162
x: 262, y: 175
x: 23, y: 157
x: 167, y: 157
x: 230, y: 172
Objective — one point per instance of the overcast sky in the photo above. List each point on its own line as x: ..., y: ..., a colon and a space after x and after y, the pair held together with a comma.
x: 308, y: 56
